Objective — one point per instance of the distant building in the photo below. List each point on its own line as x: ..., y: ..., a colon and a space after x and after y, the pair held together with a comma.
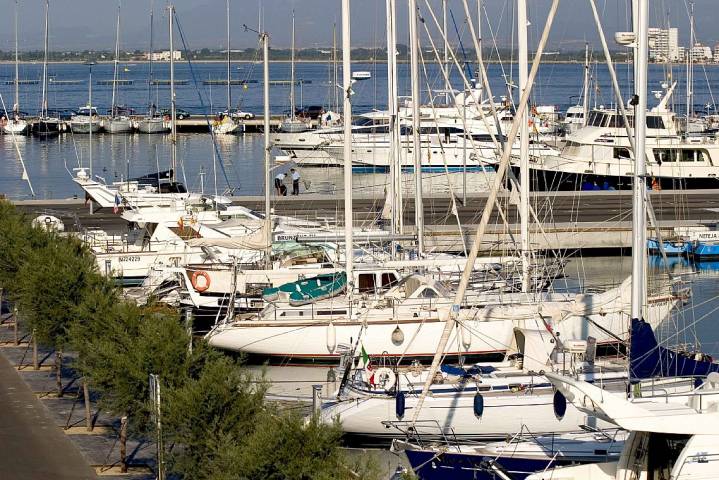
x: 701, y: 53
x: 716, y: 53
x: 682, y: 57
x: 664, y: 44
x: 164, y: 56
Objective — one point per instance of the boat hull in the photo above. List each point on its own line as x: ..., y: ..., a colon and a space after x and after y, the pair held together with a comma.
x: 117, y: 125
x: 15, y: 127
x: 154, y: 125
x: 46, y: 128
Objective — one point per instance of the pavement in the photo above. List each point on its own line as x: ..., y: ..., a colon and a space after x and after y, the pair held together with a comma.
x: 44, y: 437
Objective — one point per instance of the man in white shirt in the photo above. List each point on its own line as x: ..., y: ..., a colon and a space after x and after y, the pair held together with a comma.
x: 279, y: 184
x: 295, y: 181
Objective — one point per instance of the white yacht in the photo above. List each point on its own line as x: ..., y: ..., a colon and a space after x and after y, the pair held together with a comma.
x: 667, y: 439
x: 598, y: 156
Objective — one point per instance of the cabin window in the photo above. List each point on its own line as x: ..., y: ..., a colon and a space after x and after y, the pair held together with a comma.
x: 388, y: 280
x: 621, y: 152
x: 331, y: 312
x: 665, y: 155
x: 428, y: 293
x: 366, y: 283
x: 616, y: 121
x: 655, y: 122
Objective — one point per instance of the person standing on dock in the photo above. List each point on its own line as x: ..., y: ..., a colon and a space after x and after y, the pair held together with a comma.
x: 295, y: 181
x: 280, y: 187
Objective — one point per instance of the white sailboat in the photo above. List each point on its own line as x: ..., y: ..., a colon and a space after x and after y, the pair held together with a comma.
x: 152, y: 122
x: 116, y: 123
x: 293, y: 124
x: 227, y: 125
x: 13, y: 124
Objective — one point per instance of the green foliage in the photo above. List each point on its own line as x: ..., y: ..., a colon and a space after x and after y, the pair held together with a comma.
x: 219, y: 402
x: 283, y: 446
x: 119, y: 358
x: 18, y: 239
x: 51, y: 282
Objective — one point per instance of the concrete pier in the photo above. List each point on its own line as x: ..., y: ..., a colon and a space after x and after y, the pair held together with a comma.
x: 570, y: 220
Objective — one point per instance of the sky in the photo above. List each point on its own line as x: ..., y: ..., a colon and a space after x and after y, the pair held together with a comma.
x: 90, y: 24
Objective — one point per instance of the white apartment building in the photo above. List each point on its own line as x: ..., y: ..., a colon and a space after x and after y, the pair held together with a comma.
x: 164, y: 56
x: 716, y: 53
x: 664, y: 44
x: 701, y: 53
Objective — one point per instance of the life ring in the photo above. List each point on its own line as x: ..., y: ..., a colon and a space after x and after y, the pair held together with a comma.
x: 193, y: 280
x: 385, y: 378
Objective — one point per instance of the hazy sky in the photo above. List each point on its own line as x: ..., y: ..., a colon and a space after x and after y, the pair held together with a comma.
x: 90, y: 24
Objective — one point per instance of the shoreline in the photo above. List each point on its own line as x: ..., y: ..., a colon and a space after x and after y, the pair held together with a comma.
x: 251, y: 62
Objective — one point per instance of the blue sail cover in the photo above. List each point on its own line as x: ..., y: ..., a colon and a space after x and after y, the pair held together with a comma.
x: 647, y: 359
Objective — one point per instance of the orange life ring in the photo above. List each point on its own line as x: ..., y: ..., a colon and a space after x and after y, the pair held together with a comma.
x: 193, y: 280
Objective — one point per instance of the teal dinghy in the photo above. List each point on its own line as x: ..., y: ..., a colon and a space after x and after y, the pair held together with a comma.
x: 308, y: 290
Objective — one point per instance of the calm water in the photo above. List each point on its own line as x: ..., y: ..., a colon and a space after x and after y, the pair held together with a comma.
x: 113, y: 156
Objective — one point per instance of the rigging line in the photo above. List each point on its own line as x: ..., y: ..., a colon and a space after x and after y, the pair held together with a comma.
x: 467, y: 65
x: 202, y: 104
x: 25, y: 175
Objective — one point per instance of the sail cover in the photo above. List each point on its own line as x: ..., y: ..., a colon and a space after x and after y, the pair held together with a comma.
x: 648, y: 359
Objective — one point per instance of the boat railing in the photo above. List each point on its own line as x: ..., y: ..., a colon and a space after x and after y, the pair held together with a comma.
x: 423, y: 431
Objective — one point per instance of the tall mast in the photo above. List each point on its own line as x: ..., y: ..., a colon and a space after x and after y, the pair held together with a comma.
x: 173, y: 122
x: 639, y: 231
x: 117, y: 59
x: 347, y: 129
x: 479, y: 43
x: 690, y: 71
x: 416, y: 148
x: 265, y: 40
x: 292, y: 70
x: 335, y: 76
x: 523, y: 67
x: 149, y: 81
x: 446, y: 49
x: 395, y: 165
x: 43, y: 108
x: 585, y: 93
x: 229, y: 49
x: 16, y: 107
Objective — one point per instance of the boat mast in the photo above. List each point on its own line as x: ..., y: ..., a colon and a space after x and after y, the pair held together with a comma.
x: 149, y: 82
x: 292, y: 70
x: 446, y: 50
x: 479, y: 48
x: 173, y: 122
x: 117, y: 59
x: 335, y: 75
x: 43, y: 108
x: 416, y: 148
x: 585, y: 93
x: 347, y: 129
x: 523, y: 67
x: 639, y: 231
x: 265, y: 40
x: 229, y: 66
x: 690, y: 60
x: 16, y: 108
x: 395, y: 162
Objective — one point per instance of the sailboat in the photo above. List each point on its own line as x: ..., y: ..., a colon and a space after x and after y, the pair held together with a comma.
x: 46, y: 126
x: 513, y: 390
x: 15, y: 124
x: 152, y: 122
x: 116, y: 123
x: 227, y: 125
x: 293, y: 124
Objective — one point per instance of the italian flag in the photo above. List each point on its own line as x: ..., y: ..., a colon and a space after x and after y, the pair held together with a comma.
x: 367, y: 365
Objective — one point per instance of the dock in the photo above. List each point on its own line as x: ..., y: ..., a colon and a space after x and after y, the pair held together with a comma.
x: 588, y: 221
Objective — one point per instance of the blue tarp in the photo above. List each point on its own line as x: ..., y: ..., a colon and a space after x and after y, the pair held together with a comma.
x: 648, y: 359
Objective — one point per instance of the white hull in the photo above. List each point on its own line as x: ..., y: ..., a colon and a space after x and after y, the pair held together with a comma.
x: 227, y: 127
x: 152, y: 125
x: 17, y: 127
x: 117, y: 125
x: 84, y: 126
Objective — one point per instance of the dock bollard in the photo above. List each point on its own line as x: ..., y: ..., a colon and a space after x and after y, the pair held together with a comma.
x: 316, y: 399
